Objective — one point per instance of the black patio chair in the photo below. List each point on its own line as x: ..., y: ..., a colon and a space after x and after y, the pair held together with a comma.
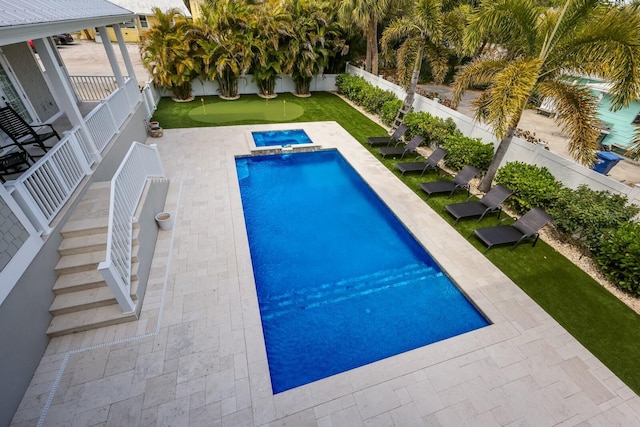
x: 409, y: 147
x: 460, y: 182
x: 13, y: 163
x: 393, y: 139
x: 525, y: 228
x: 22, y: 133
x: 491, y: 202
x: 431, y: 162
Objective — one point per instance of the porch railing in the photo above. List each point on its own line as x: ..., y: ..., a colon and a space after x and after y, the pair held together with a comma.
x: 140, y: 163
x: 93, y: 88
x: 150, y: 98
x: 105, y: 120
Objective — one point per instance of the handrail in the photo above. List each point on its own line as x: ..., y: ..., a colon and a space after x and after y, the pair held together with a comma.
x: 140, y: 163
x: 93, y: 88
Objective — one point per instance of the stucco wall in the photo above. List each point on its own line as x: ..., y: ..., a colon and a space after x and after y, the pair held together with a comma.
x: 31, y: 79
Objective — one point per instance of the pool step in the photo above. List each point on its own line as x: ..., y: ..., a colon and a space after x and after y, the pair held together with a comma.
x: 334, y: 292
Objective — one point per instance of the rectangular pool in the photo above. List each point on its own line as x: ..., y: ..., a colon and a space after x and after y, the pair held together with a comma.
x: 340, y: 281
x: 281, y: 138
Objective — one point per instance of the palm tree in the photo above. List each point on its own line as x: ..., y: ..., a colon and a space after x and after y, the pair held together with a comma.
x: 366, y: 14
x: 538, y: 50
x: 166, y: 52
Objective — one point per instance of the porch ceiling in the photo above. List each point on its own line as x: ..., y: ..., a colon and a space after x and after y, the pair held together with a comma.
x: 21, y: 21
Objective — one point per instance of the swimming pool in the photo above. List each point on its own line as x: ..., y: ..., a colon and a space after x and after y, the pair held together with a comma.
x: 281, y: 137
x: 340, y: 281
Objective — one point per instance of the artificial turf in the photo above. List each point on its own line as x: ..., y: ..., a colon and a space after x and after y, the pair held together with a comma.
x: 595, y: 317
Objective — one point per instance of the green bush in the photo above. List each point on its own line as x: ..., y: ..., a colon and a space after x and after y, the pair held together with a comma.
x: 464, y: 151
x: 389, y: 111
x: 533, y: 186
x: 619, y: 255
x: 433, y: 129
x: 374, y: 98
x: 364, y: 94
x: 350, y: 86
x: 586, y: 214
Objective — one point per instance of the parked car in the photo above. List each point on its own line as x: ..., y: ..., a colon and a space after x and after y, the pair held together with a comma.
x: 64, y: 38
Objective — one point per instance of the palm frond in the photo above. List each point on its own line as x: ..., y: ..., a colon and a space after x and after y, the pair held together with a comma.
x: 477, y: 73
x: 634, y: 151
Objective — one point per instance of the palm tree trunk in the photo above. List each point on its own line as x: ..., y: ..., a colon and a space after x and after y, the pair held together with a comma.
x: 369, y: 54
x: 485, y: 184
x: 372, y: 43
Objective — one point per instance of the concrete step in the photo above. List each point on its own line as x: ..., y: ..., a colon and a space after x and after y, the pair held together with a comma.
x: 85, y: 227
x: 88, y: 279
x: 88, y: 319
x: 82, y: 300
x: 86, y: 261
x: 89, y: 243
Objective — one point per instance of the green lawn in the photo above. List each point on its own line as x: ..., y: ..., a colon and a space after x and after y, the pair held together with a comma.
x: 603, y: 324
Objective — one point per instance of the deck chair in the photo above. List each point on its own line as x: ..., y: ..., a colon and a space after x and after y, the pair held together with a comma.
x: 12, y: 163
x: 21, y: 133
x: 410, y: 147
x: 525, y: 228
x: 491, y: 202
x: 460, y: 182
x: 394, y: 138
x: 430, y: 163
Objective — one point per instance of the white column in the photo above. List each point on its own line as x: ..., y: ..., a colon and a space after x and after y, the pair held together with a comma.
x: 108, y: 48
x: 124, y: 52
x: 64, y: 93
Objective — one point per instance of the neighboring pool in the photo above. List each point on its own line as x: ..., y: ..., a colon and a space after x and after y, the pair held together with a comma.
x: 280, y: 137
x: 340, y: 282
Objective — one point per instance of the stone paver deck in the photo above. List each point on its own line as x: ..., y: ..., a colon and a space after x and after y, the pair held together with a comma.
x: 197, y: 356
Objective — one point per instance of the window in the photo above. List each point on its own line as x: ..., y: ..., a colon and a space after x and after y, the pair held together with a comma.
x: 143, y: 21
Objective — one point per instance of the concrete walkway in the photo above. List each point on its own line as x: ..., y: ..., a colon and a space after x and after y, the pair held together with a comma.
x: 197, y: 355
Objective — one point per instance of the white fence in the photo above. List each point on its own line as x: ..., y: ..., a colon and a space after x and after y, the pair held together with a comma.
x: 140, y: 163
x: 150, y: 97
x: 564, y: 170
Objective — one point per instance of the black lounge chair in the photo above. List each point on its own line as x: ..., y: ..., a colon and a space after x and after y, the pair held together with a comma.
x: 491, y: 202
x: 410, y: 147
x: 21, y: 133
x: 460, y: 181
x: 525, y: 228
x: 13, y: 163
x: 393, y: 139
x: 430, y: 163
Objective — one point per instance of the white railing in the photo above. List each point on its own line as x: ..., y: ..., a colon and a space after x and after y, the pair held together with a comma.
x: 93, y: 88
x: 133, y: 92
x: 150, y: 96
x: 44, y: 189
x: 105, y: 120
x: 140, y: 163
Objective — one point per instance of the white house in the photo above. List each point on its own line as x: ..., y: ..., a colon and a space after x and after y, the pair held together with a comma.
x: 95, y: 138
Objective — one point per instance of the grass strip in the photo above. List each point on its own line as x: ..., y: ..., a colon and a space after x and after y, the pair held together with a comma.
x: 599, y: 320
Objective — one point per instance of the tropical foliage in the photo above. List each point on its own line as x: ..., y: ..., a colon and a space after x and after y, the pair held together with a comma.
x: 537, y: 49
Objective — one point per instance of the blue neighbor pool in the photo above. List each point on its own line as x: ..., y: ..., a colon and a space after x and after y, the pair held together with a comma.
x: 281, y: 137
x: 340, y: 282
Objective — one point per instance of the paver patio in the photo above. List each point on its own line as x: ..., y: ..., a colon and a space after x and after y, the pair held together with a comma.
x: 197, y: 357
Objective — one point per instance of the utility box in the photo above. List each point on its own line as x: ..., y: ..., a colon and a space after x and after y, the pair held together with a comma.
x: 605, y: 162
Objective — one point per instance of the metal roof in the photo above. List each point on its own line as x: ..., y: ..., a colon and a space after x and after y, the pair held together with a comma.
x: 22, y: 20
x: 143, y: 7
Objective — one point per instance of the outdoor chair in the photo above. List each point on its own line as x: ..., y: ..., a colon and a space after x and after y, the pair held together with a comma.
x: 525, y: 228
x: 491, y: 202
x: 394, y: 138
x: 430, y: 163
x: 13, y: 163
x: 21, y: 133
x: 410, y: 147
x: 460, y: 181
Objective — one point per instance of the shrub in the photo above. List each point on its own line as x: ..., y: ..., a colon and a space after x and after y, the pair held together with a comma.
x: 533, y: 186
x: 467, y: 151
x: 618, y: 257
x: 586, y: 214
x: 389, y: 111
x: 374, y: 98
x: 350, y: 86
x: 434, y: 129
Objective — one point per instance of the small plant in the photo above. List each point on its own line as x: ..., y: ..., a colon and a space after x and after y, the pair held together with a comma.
x: 618, y: 257
x: 463, y: 151
x: 533, y: 186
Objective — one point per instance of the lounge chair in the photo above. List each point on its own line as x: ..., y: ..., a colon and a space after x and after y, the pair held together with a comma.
x: 525, y: 228
x: 21, y: 132
x: 430, y: 163
x: 393, y: 139
x: 491, y: 202
x: 12, y: 163
x: 410, y: 147
x: 460, y: 181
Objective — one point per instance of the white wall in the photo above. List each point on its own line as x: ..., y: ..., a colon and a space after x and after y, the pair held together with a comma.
x: 564, y: 170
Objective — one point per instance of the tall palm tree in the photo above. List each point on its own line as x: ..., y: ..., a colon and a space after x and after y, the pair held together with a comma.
x: 538, y: 50
x: 366, y: 14
x: 166, y: 52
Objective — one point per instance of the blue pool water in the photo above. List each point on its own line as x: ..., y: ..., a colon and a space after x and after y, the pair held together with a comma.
x: 340, y: 281
x: 281, y: 137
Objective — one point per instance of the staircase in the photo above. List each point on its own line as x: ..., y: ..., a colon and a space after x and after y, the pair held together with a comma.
x: 83, y: 301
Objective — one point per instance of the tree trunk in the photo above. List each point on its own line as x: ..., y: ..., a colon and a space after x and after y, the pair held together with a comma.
x: 369, y: 54
x: 373, y: 45
x: 485, y: 184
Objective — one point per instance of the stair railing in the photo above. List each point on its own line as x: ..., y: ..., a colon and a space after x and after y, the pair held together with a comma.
x: 141, y: 163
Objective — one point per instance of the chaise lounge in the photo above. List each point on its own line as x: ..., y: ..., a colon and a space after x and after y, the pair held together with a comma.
x: 491, y: 202
x: 430, y: 163
x: 410, y: 147
x: 394, y: 138
x: 460, y: 181
x: 525, y: 228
